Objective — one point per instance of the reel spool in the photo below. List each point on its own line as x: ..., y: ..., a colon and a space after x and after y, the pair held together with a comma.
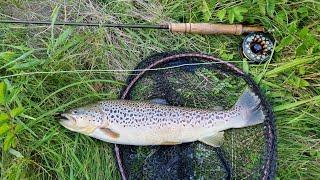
x: 257, y: 47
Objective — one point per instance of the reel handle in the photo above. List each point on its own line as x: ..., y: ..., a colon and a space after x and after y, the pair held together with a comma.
x: 207, y: 28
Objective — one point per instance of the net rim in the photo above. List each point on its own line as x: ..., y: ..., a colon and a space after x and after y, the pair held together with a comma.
x: 269, y: 164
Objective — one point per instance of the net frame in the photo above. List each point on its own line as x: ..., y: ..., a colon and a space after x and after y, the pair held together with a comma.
x: 268, y: 169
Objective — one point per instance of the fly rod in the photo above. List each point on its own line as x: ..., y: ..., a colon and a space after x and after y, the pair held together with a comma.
x: 194, y: 28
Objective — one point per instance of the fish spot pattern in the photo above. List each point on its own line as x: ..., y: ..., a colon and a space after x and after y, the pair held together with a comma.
x: 133, y: 114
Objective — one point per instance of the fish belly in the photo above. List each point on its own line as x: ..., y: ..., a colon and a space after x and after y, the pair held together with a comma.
x: 151, y: 136
x: 150, y: 124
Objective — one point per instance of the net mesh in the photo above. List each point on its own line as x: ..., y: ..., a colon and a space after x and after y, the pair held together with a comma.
x: 201, y: 81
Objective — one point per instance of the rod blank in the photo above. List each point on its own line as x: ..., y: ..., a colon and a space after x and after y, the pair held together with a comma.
x: 85, y: 24
x: 195, y: 28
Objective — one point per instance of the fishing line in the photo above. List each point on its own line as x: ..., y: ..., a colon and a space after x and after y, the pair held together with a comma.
x: 115, y: 71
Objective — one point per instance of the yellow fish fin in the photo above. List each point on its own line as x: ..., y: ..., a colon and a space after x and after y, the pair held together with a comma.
x: 168, y: 143
x: 214, y: 140
x: 110, y: 133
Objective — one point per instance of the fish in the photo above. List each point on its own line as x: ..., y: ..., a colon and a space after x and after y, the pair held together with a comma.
x: 144, y: 123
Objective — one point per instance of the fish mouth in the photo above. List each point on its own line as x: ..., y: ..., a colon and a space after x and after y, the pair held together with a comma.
x: 67, y: 121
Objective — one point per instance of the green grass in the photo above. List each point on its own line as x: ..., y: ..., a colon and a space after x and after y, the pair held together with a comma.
x: 48, y: 70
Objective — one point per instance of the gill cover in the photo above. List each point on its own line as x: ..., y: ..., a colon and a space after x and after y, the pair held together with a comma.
x: 83, y: 120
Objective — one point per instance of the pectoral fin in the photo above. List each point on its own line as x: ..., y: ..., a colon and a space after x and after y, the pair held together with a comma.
x: 214, y: 140
x: 110, y: 133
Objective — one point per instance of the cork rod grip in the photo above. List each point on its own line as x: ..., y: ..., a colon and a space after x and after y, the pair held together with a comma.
x: 207, y: 28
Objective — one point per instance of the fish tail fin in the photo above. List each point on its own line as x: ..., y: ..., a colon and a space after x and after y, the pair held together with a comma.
x: 250, y: 110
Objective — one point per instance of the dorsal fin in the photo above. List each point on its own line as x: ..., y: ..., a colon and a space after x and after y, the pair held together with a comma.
x: 159, y: 101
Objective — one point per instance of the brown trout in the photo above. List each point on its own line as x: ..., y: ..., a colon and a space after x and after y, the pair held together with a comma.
x: 146, y: 123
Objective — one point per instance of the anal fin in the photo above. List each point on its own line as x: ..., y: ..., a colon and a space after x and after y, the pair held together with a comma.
x: 168, y: 143
x: 214, y: 140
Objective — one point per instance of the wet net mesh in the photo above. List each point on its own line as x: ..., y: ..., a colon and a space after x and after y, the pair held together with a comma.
x: 200, y: 81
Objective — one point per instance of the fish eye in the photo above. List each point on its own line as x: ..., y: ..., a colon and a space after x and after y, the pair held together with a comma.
x: 74, y: 111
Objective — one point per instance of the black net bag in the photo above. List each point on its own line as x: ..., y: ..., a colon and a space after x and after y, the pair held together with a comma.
x: 200, y: 81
